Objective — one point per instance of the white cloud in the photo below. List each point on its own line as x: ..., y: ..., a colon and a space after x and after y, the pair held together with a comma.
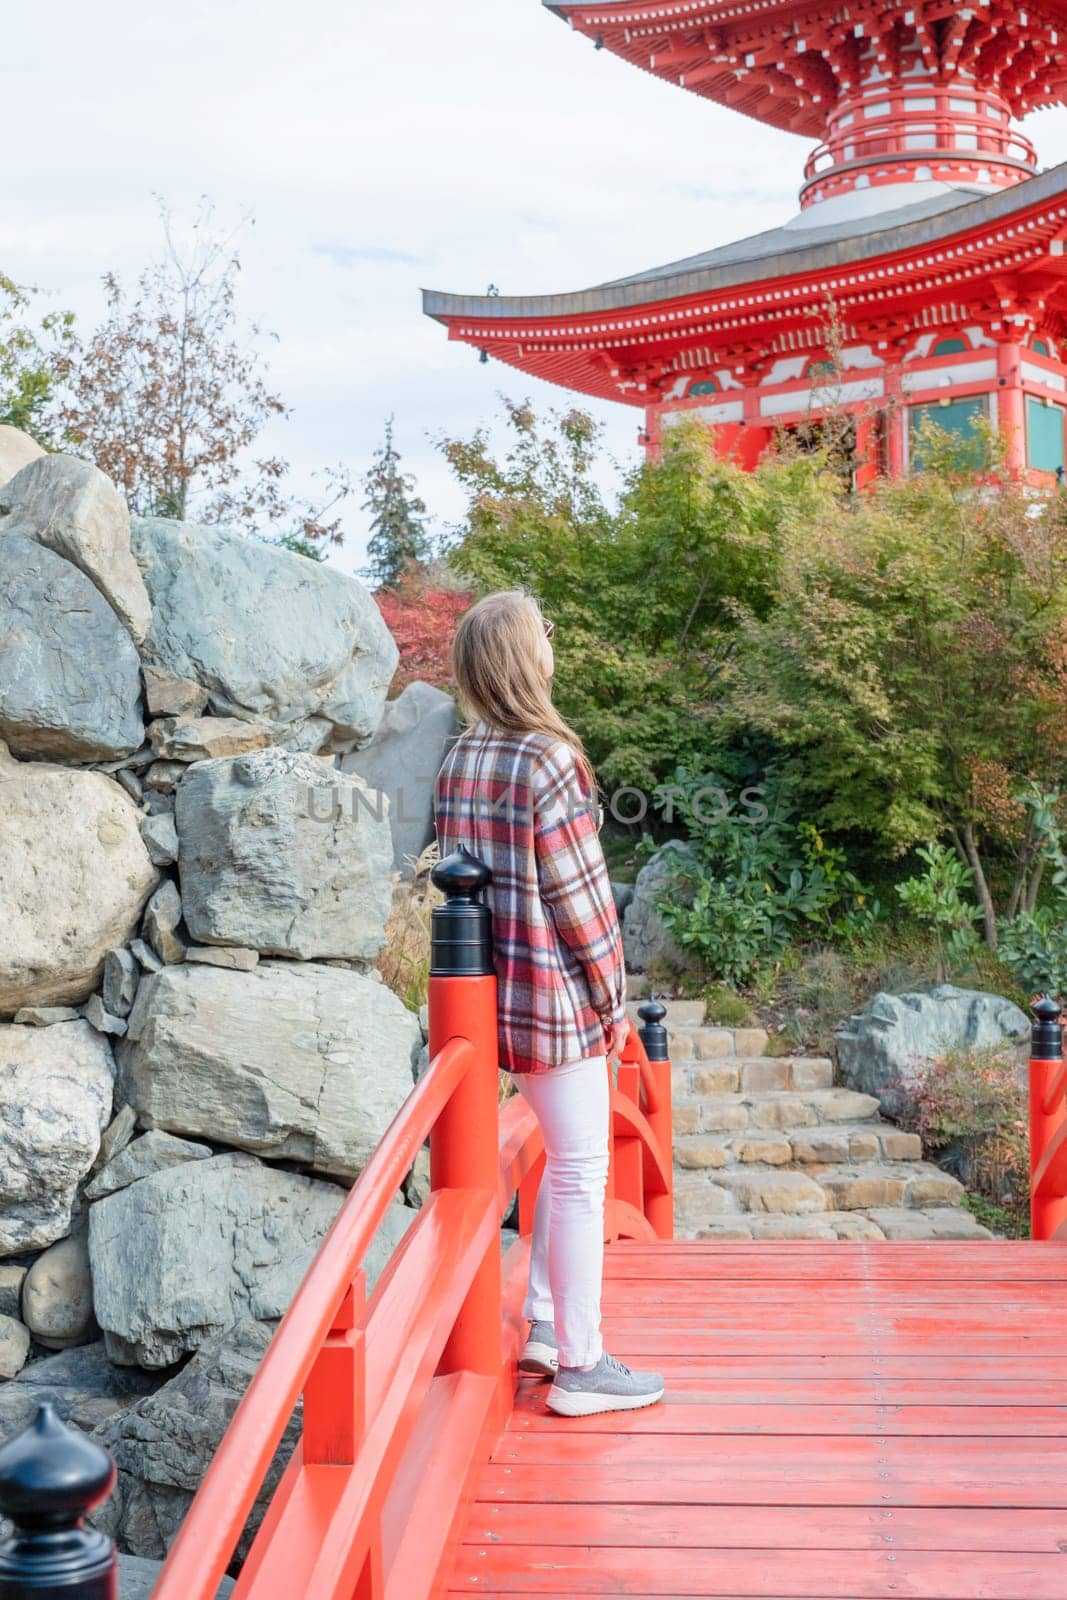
x: 381, y: 147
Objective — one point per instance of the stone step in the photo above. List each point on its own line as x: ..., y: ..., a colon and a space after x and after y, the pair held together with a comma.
x: 702, y: 1194
x: 712, y: 1044
x: 728, y: 1113
x: 931, y: 1222
x: 680, y: 1013
x: 762, y: 1075
x: 839, y: 1143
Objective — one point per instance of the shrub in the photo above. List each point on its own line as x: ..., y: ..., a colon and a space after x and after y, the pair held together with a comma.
x: 969, y: 1106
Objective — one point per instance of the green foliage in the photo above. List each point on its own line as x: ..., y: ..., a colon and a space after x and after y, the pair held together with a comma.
x: 1033, y: 944
x: 640, y: 590
x: 398, y: 534
x: 725, y: 1009
x: 754, y: 879
x: 935, y: 898
x: 969, y: 1106
x: 26, y: 357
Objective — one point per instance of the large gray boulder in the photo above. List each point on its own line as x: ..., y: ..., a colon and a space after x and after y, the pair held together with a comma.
x: 318, y: 659
x: 897, y: 1033
x: 73, y: 508
x: 70, y: 678
x: 163, y: 1445
x: 75, y: 876
x: 186, y: 1252
x: 645, y: 937
x: 402, y: 761
x: 56, y: 1093
x: 137, y: 1577
x: 301, y: 1062
x: 17, y: 450
x: 283, y: 854
x: 85, y: 1386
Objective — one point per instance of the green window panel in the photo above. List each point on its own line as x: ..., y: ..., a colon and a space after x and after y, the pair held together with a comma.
x: 1040, y: 348
x: 1044, y: 435
x: 950, y: 347
x: 958, y: 417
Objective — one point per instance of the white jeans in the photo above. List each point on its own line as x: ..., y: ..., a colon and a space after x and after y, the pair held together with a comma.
x: 567, y: 1257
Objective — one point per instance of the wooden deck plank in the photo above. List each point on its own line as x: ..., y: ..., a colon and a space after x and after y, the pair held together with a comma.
x: 848, y: 1421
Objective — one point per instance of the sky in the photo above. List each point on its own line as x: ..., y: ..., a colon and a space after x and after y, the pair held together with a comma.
x: 381, y: 146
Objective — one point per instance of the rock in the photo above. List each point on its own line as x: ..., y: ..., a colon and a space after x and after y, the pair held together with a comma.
x: 622, y: 894
x: 45, y: 1016
x: 204, y: 738
x: 163, y: 1444
x: 161, y: 838
x: 402, y: 762
x: 154, y: 1151
x: 283, y: 854
x: 189, y: 1250
x: 102, y: 1019
x: 644, y: 936
x: 319, y: 653
x: 146, y: 956
x: 56, y: 1091
x: 57, y: 1297
x: 17, y: 450
x: 70, y: 678
x: 168, y: 696
x: 162, y: 918
x: 73, y: 508
x: 83, y: 1385
x: 121, y: 977
x: 14, y: 1346
x: 137, y: 1575
x: 238, y: 958
x: 897, y: 1033
x: 131, y: 783
x: 164, y: 776
x: 11, y: 1280
x: 117, y: 1135
x: 75, y: 876
x: 298, y: 1062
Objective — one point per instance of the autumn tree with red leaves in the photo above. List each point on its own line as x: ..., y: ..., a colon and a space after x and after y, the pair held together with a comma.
x: 169, y: 396
x: 421, y: 611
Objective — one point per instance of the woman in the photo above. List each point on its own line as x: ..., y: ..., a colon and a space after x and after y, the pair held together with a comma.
x: 517, y: 789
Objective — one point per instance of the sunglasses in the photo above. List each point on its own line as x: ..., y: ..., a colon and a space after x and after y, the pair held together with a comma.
x: 550, y: 627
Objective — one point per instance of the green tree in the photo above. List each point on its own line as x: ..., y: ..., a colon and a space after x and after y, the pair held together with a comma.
x: 398, y: 538
x: 26, y: 360
x: 912, y: 659
x: 639, y: 586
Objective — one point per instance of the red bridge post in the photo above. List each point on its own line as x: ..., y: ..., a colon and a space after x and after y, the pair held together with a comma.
x: 465, y: 1141
x: 1048, y: 1121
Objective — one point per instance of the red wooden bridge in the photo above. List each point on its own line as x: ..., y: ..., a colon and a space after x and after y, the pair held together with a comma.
x: 847, y: 1419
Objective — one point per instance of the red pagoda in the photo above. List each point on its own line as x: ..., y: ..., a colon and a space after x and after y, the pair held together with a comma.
x: 923, y: 222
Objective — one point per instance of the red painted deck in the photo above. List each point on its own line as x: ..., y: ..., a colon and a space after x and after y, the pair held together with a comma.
x: 842, y: 1420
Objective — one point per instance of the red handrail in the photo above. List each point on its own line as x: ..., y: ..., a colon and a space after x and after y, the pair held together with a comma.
x: 403, y: 1396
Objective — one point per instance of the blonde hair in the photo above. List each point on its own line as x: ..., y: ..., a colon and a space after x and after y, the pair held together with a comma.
x: 496, y: 662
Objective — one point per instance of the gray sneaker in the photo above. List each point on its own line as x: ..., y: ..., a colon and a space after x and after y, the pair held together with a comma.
x: 540, y: 1354
x: 609, y: 1386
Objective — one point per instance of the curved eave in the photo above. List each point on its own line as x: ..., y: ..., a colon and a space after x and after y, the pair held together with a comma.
x: 1007, y: 206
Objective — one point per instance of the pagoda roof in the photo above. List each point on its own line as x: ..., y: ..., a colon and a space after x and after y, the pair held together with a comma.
x: 779, y: 252
x: 788, y: 62
x: 771, y: 289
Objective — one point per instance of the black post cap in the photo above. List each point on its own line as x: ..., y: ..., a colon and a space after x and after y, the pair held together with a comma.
x: 461, y: 931
x: 1046, y: 1033
x: 50, y: 1477
x: 653, y: 1034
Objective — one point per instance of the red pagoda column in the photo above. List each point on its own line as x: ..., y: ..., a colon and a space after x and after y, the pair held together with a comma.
x: 1011, y: 411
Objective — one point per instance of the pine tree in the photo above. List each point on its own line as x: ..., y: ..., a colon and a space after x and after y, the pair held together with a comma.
x: 399, y: 535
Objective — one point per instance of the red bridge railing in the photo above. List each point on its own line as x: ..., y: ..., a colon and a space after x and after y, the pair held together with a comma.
x: 1048, y: 1124
x: 403, y: 1393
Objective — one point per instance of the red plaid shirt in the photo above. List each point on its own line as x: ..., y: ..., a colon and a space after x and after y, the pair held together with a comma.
x: 518, y: 804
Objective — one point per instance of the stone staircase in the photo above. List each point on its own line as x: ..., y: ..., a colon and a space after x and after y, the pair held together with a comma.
x: 766, y: 1147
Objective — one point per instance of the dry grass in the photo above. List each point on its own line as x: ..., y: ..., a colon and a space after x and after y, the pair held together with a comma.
x: 404, y: 961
